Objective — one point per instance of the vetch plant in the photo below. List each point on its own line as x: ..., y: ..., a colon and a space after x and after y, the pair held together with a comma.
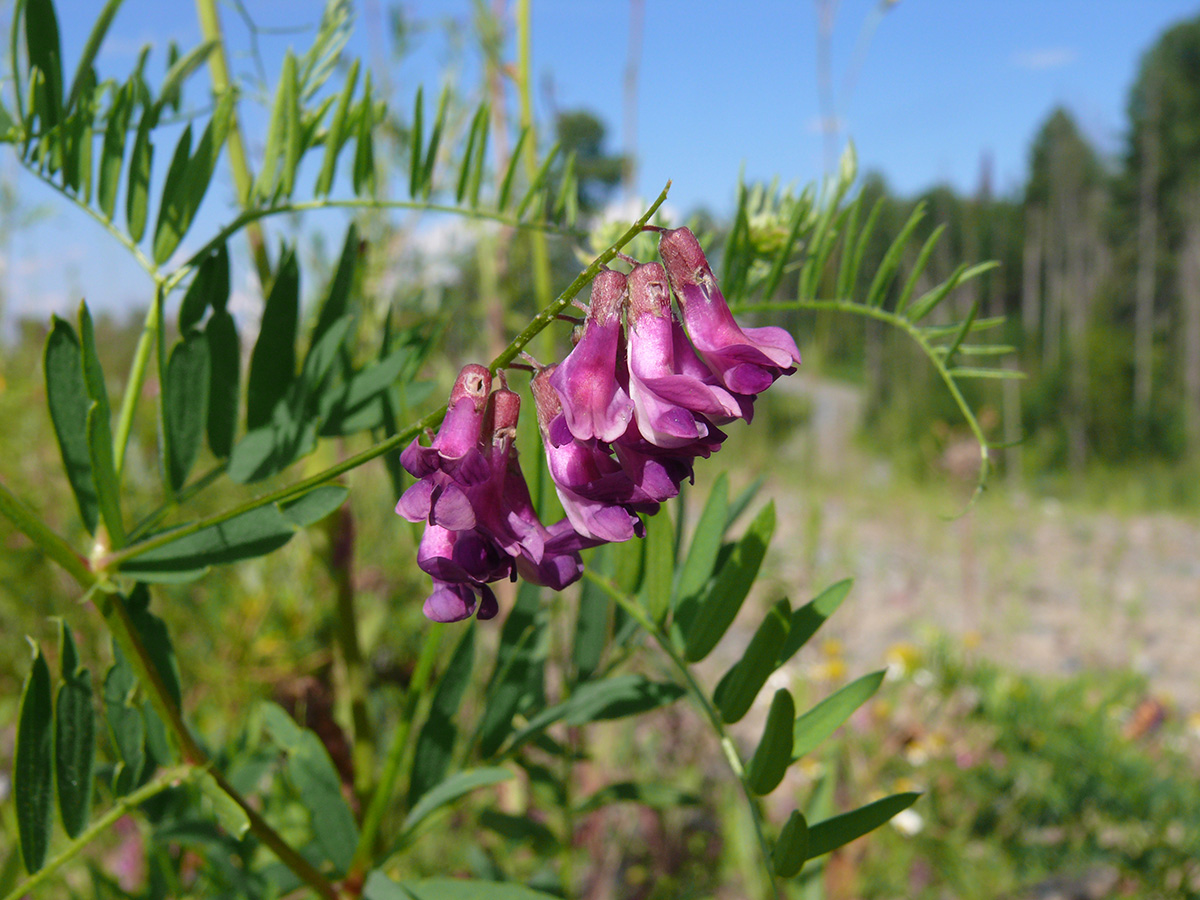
x: 260, y: 808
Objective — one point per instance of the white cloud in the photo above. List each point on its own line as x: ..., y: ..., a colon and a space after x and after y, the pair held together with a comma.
x: 1042, y: 58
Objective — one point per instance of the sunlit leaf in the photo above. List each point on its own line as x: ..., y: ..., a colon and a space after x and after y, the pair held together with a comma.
x: 185, y: 404
x: 728, y: 589
x: 824, y: 837
x: 335, y: 137
x: 90, y: 48
x: 736, y: 691
x: 811, y: 616
x: 67, y: 397
x: 791, y: 848
x: 659, y: 569
x: 273, y: 361
x: 814, y: 726
x: 774, y: 753
x: 706, y: 541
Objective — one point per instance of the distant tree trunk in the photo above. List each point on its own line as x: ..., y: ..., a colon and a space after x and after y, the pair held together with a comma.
x: 1031, y: 276
x: 1147, y: 259
x: 1189, y: 297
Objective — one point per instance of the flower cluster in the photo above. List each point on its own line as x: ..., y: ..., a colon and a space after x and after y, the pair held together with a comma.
x: 622, y: 419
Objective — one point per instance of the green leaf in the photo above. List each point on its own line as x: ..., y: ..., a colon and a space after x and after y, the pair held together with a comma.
x: 451, y: 789
x: 337, y: 298
x: 972, y: 372
x: 728, y: 589
x: 90, y: 48
x: 181, y: 70
x: 655, y: 794
x: 435, y: 139
x: 826, y: 717
x: 811, y: 616
x: 435, y: 743
x: 137, y: 190
x: 659, y: 566
x: 774, y: 753
x: 595, y: 701
x: 791, y: 849
x: 317, y: 785
x: 364, y: 154
x: 67, y: 397
x: 539, y: 179
x: 706, y: 541
x: 170, y: 227
x: 736, y: 691
x: 742, y: 501
x: 230, y: 816
x: 224, y: 353
x: 509, y: 173
x: 185, y: 404
x: 380, y: 887
x: 891, y: 259
x: 416, y: 143
x: 516, y: 679
x: 33, y: 788
x: 126, y: 727
x: 827, y: 836
x: 273, y: 361
x: 108, y: 490
x: 591, y: 629
x: 112, y: 154
x: 209, y: 289
x: 45, y: 53
x: 918, y: 267
x: 74, y: 737
x: 157, y: 641
x: 340, y: 406
x: 254, y: 533
x: 292, y: 134
x: 474, y: 138
x: 520, y: 830
x: 335, y: 137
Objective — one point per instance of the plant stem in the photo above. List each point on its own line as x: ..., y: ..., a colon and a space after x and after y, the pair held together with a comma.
x: 541, y: 256
x: 116, y: 615
x: 151, y: 334
x: 243, y: 180
x: 638, y: 614
x: 47, y: 541
x: 168, y: 778
x: 340, y: 559
x: 386, y: 787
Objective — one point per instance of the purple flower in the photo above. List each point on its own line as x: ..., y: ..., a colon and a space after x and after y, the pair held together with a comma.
x: 453, y: 462
x: 480, y: 522
x: 745, y: 360
x: 673, y: 393
x: 455, y: 602
x: 594, y: 404
x: 601, y: 501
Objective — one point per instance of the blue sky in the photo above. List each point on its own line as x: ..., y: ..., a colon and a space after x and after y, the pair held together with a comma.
x: 926, y: 89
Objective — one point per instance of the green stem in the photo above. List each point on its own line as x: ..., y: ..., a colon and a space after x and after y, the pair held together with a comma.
x: 541, y: 255
x: 54, y: 546
x: 539, y: 322
x: 183, y: 495
x: 125, y: 633
x: 639, y: 615
x: 168, y: 778
x: 149, y: 338
x: 386, y: 788
x: 914, y: 332
x: 340, y: 560
x: 243, y: 179
x: 253, y: 215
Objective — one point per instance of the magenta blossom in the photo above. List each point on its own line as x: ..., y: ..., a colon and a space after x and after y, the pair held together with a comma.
x: 480, y: 522
x: 673, y: 393
x: 600, y: 500
x: 745, y: 360
x: 593, y: 402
